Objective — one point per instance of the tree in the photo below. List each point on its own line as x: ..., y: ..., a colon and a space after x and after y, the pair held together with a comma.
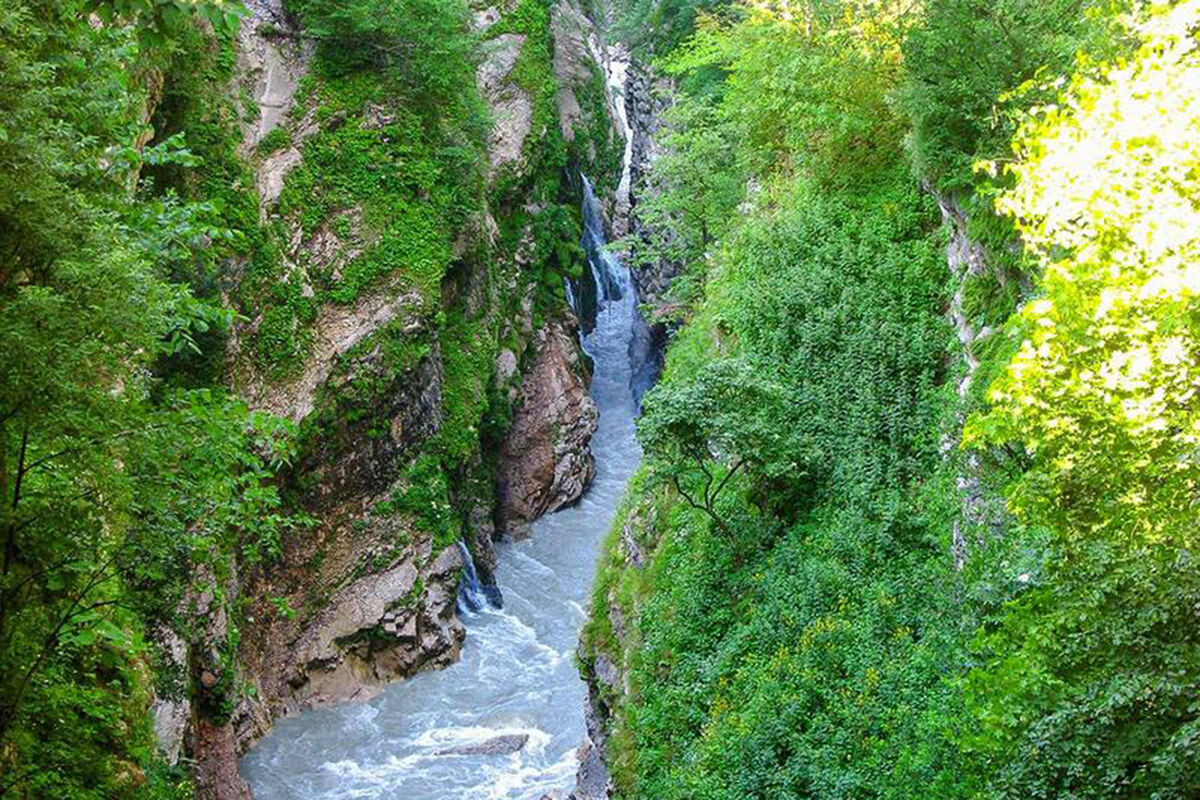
x: 110, y: 488
x: 966, y: 59
x: 706, y: 430
x: 1089, y: 686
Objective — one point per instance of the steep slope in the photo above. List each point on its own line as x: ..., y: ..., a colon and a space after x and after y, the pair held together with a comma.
x: 874, y: 550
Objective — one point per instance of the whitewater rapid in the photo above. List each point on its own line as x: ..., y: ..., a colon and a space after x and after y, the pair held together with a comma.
x: 517, y: 673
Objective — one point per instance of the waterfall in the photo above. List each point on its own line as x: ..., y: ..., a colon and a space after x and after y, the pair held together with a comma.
x: 473, y: 595
x: 611, y: 278
x: 613, y: 282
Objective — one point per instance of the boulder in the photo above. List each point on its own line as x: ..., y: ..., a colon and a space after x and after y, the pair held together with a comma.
x: 496, y: 746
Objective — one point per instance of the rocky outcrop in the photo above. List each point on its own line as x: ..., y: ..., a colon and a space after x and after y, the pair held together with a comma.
x: 604, y: 658
x: 544, y: 461
x: 171, y: 710
x: 512, y: 107
x: 983, y: 513
x: 395, y: 620
x: 590, y: 77
x: 358, y: 455
x: 336, y: 330
x: 647, y: 98
x: 576, y: 63
x: 208, y: 731
x: 215, y: 751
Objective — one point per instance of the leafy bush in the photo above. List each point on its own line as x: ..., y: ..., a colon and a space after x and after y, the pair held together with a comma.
x: 798, y: 646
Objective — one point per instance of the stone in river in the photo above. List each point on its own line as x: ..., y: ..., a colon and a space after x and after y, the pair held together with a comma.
x: 496, y: 746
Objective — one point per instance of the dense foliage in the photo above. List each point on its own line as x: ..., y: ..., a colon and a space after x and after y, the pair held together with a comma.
x: 803, y: 633
x: 1092, y: 679
x: 805, y: 617
x: 114, y: 487
x: 802, y: 627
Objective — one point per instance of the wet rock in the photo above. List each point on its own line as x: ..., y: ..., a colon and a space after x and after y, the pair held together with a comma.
x: 481, y: 529
x: 379, y: 627
x: 496, y: 746
x: 591, y: 780
x: 494, y: 596
x: 545, y: 462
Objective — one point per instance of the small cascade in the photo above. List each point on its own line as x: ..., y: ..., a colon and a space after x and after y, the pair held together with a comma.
x: 614, y: 282
x: 473, y: 595
x: 570, y: 290
x: 610, y: 276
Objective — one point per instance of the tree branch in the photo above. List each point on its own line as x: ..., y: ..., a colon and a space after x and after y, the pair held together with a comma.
x: 8, y: 712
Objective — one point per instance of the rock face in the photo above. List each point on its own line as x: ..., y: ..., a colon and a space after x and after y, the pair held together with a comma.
x: 271, y: 62
x: 213, y: 741
x: 604, y: 661
x: 512, y: 107
x: 336, y: 330
x: 375, y: 629
x: 589, y: 80
x: 574, y: 64
x: 983, y: 516
x: 367, y: 593
x: 544, y: 461
x: 647, y: 98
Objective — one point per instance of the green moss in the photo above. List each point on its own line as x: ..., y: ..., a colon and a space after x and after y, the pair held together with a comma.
x: 469, y: 347
x: 279, y: 138
x: 544, y: 153
x: 411, y: 188
x: 376, y: 154
x: 425, y: 495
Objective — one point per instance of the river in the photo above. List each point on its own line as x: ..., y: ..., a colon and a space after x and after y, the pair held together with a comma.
x: 517, y: 673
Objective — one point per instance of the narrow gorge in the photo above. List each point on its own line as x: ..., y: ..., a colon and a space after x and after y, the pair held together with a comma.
x: 505, y: 720
x: 599, y: 399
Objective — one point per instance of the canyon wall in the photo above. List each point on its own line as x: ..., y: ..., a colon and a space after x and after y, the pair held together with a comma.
x: 432, y: 371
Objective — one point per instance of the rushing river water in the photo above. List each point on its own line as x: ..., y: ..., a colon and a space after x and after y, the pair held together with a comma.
x: 517, y: 673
